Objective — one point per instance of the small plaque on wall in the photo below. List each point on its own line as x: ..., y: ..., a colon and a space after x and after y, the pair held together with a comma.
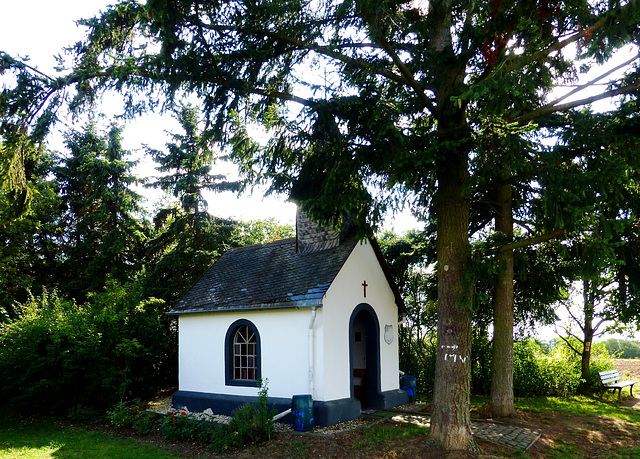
x: 388, y: 334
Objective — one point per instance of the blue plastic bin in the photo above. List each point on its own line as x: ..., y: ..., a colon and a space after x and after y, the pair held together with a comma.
x: 408, y: 384
x: 302, y: 413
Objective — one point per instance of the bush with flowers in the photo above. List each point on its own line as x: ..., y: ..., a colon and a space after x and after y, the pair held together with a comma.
x: 251, y: 423
x: 182, y: 426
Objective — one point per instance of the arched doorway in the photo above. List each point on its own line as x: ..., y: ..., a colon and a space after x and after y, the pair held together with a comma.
x: 364, y: 356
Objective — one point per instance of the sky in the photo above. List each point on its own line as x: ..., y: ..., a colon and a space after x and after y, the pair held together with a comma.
x: 41, y: 28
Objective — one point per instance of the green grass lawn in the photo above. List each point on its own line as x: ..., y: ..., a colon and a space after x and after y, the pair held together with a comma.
x: 581, y: 405
x: 42, y: 439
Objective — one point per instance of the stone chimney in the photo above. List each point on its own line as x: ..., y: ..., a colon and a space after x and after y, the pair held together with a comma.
x: 311, y: 237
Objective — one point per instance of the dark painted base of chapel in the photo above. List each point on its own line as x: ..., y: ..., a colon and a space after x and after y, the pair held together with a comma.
x: 325, y: 413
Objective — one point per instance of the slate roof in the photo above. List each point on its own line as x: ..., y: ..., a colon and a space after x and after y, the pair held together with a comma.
x: 265, y: 276
x: 269, y: 276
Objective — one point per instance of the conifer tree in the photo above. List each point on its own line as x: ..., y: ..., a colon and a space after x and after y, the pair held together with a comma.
x: 188, y: 238
x: 104, y: 238
x: 29, y: 244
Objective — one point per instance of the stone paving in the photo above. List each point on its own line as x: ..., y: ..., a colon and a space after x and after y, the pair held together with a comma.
x: 516, y: 437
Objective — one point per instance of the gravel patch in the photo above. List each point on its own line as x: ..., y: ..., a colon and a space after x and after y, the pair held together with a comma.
x: 413, y: 407
x: 160, y: 405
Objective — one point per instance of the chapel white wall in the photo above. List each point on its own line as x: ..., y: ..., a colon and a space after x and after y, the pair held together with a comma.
x: 344, y: 295
x: 284, y: 350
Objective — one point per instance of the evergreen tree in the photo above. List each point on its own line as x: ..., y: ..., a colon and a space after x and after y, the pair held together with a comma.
x: 187, y: 165
x: 104, y: 237
x: 30, y: 243
x: 188, y: 238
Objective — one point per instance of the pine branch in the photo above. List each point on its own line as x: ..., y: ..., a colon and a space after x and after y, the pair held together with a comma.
x: 404, y: 69
x: 20, y: 64
x: 548, y: 110
x: 559, y: 45
x: 531, y: 241
x: 537, y: 168
x: 331, y: 52
x: 592, y: 82
x: 519, y: 61
x: 232, y: 85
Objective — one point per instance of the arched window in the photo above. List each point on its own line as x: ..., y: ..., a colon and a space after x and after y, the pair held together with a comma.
x: 242, y: 354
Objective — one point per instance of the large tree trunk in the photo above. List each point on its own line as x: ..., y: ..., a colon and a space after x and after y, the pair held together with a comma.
x: 450, y: 420
x: 501, y: 399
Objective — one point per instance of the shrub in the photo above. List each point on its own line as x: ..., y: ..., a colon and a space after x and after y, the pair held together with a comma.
x: 146, y: 423
x: 251, y: 423
x: 601, y: 360
x: 529, y: 377
x: 125, y: 415
x: 102, y: 351
x: 562, y: 370
x: 481, y: 365
x: 538, y: 373
x: 224, y: 439
x: 556, y: 371
x: 418, y: 357
x: 184, y: 427
x: 254, y: 422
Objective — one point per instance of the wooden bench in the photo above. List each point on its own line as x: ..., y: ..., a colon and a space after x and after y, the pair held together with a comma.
x: 611, y: 380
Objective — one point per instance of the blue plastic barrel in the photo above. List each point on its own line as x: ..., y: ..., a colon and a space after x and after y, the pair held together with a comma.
x: 408, y: 384
x: 302, y: 413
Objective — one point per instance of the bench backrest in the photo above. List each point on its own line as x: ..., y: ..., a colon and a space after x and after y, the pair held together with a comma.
x: 608, y: 377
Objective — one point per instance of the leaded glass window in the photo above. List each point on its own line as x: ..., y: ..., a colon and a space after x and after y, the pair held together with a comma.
x: 245, y: 353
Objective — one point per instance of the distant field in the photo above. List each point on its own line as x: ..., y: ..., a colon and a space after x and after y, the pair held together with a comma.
x: 628, y: 368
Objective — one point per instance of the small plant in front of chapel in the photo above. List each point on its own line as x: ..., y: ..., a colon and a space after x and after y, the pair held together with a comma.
x: 254, y: 421
x: 131, y: 415
x: 180, y: 426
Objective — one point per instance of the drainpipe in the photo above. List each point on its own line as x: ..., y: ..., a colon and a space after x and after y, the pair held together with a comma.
x: 281, y: 415
x: 311, y: 324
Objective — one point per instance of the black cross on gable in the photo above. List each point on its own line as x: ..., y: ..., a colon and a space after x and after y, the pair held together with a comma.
x: 365, y: 285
